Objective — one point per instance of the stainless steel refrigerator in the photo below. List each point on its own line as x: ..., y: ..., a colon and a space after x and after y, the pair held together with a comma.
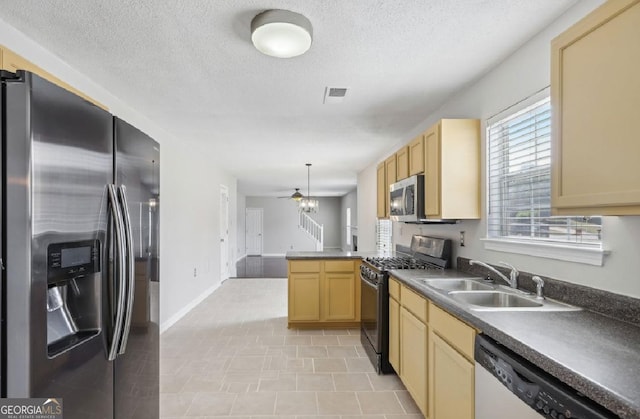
x: 80, y: 291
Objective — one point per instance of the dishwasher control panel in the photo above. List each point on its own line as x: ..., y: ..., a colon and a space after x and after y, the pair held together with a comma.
x: 537, y: 388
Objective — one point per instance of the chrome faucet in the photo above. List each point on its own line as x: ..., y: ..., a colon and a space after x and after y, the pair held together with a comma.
x: 539, y: 285
x: 513, y: 275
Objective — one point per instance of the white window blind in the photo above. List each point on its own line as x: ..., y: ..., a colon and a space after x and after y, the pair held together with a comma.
x: 383, y: 235
x: 519, y: 168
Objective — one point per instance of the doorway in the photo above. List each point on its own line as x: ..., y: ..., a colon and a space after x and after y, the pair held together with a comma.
x: 253, y: 231
x: 224, y: 233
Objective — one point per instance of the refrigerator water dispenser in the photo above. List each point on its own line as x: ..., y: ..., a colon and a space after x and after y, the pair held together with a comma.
x: 73, y: 294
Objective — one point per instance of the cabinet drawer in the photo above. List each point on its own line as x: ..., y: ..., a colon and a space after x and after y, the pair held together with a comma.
x: 414, y: 303
x: 338, y: 266
x: 394, y: 289
x: 454, y: 331
x: 304, y: 266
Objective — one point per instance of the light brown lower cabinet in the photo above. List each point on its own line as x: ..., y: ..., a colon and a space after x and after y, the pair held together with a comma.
x: 451, y: 381
x: 413, y: 357
x: 432, y: 352
x: 394, y: 334
x: 324, y: 293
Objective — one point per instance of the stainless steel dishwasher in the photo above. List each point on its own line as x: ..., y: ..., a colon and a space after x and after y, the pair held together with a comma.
x: 508, y: 386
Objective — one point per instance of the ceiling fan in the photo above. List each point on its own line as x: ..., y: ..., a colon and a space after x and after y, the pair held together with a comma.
x: 296, y: 196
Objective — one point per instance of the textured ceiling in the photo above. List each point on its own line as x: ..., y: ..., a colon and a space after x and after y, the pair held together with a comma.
x: 191, y: 68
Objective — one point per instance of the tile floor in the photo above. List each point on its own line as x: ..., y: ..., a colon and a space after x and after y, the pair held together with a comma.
x: 233, y: 356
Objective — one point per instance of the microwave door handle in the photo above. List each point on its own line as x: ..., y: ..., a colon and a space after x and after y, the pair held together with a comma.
x: 118, y: 229
x: 130, y: 271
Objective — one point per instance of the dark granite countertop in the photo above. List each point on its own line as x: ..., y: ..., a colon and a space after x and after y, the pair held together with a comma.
x: 595, y: 354
x: 336, y: 254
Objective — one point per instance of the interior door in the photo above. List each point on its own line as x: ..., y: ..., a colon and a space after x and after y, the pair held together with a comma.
x: 224, y: 233
x: 253, y: 236
x: 137, y: 370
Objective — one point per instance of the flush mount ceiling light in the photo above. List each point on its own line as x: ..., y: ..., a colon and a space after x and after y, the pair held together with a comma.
x: 281, y: 33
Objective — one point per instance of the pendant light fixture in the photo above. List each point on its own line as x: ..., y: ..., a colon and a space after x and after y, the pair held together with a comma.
x: 307, y: 204
x: 281, y: 33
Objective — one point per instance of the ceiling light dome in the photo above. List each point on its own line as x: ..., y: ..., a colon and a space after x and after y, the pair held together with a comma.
x: 281, y: 33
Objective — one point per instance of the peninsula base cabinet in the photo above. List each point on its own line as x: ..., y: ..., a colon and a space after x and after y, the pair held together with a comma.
x: 432, y: 352
x: 324, y: 293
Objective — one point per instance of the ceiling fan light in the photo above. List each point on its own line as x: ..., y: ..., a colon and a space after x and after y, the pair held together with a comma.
x: 296, y: 196
x: 281, y: 33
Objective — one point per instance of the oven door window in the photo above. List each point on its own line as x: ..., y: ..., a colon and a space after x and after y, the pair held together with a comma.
x: 369, y: 313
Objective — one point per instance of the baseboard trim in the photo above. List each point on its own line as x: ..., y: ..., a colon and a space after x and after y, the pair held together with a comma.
x: 186, y: 309
x: 273, y: 254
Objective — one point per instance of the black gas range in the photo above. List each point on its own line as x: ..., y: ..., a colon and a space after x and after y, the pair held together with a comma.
x: 429, y: 253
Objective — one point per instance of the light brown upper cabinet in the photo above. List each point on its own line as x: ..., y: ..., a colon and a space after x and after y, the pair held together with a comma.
x: 595, y: 97
x: 382, y: 195
x: 402, y: 163
x: 390, y: 168
x: 11, y: 61
x: 452, y: 169
x: 416, y: 155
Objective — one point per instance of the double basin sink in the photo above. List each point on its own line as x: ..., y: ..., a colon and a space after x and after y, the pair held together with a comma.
x: 478, y: 296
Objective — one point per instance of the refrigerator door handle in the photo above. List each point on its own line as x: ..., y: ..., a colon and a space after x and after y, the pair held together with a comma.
x: 116, y: 215
x: 130, y: 272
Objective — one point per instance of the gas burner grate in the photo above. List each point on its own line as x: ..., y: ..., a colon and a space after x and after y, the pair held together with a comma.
x: 399, y: 262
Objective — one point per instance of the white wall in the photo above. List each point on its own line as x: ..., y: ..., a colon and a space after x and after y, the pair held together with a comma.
x: 520, y: 75
x: 367, y: 208
x: 241, y: 247
x: 189, y: 192
x: 280, y: 224
x: 349, y: 200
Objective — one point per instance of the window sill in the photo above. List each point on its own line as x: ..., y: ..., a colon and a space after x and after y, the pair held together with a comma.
x: 567, y: 253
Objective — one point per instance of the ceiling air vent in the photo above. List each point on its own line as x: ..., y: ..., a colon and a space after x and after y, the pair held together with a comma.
x: 334, y: 94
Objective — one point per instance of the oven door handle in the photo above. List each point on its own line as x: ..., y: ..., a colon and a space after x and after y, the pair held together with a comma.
x: 369, y: 282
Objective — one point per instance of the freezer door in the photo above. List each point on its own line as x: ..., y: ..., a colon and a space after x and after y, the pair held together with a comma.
x: 59, y: 159
x: 137, y: 367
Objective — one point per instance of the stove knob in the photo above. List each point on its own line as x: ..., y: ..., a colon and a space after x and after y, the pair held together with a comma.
x: 554, y: 414
x: 546, y: 409
x: 540, y: 404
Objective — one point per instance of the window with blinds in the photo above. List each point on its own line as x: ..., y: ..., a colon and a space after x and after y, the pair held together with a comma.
x: 519, y: 184
x: 383, y: 235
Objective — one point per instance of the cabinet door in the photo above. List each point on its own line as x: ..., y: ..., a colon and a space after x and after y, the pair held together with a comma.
x: 416, y: 156
x: 382, y: 194
x: 451, y: 381
x: 339, y: 296
x: 432, y: 171
x: 394, y: 334
x: 304, y: 296
x: 413, y: 357
x: 390, y: 168
x: 402, y: 163
x: 595, y: 97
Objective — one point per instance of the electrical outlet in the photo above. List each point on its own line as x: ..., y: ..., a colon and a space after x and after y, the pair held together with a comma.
x: 462, y: 239
x: 195, y: 272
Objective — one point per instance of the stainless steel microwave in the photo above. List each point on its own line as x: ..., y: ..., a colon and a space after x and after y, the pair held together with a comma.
x: 406, y: 199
